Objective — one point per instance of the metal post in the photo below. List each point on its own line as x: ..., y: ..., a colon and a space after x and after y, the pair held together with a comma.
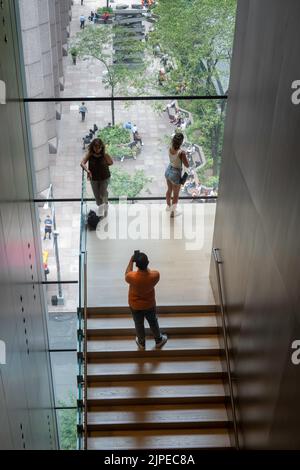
x: 60, y: 298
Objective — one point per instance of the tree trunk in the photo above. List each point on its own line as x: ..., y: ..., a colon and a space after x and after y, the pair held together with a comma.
x: 112, y: 103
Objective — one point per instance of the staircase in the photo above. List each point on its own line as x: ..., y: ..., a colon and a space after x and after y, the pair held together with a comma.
x: 155, y: 399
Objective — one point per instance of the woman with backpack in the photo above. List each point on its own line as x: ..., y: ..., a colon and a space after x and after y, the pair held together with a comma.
x: 98, y: 173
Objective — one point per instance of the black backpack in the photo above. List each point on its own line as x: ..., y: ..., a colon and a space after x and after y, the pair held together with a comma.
x: 92, y: 220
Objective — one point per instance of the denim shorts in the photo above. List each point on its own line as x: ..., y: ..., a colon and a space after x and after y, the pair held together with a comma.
x: 173, y: 174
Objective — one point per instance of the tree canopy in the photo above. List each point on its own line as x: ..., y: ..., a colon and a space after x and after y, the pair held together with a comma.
x: 198, y: 34
x: 98, y: 42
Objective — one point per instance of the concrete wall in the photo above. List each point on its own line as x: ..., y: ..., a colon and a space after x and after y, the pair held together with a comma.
x: 27, y: 419
x: 44, y: 26
x: 257, y: 222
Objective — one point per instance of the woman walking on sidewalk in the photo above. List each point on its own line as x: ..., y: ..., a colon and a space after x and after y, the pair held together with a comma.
x: 173, y: 173
x: 98, y: 173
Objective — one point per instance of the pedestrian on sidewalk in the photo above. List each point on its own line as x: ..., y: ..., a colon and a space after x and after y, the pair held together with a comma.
x: 98, y: 173
x: 82, y: 21
x: 48, y: 227
x: 74, y: 55
x: 83, y: 110
x: 141, y: 299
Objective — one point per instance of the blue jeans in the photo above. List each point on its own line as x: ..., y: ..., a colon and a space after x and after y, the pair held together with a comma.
x: 139, y: 318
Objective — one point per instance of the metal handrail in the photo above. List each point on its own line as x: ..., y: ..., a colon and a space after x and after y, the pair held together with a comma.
x: 85, y: 347
x: 130, y: 199
x: 82, y: 313
x: 218, y: 261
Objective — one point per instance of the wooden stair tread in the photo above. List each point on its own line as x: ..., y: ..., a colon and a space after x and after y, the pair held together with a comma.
x: 158, y: 414
x: 98, y: 312
x: 160, y: 439
x: 193, y: 319
x: 157, y: 390
x: 105, y: 325
x: 169, y: 398
x: 151, y: 368
x: 122, y: 344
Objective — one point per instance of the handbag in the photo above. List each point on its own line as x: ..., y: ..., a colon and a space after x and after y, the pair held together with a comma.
x: 184, y: 178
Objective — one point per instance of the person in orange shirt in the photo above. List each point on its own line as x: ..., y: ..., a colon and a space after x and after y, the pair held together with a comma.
x: 141, y: 299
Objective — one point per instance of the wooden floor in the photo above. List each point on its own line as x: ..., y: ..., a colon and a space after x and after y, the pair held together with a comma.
x: 184, y: 271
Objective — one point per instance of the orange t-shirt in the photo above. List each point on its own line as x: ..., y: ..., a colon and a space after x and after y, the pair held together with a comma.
x: 141, y: 294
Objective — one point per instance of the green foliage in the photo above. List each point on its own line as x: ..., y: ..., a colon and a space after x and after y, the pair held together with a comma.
x: 74, y: 51
x: 115, y: 135
x: 102, y: 10
x: 212, y: 182
x: 197, y: 36
x: 119, y: 151
x: 67, y: 422
x: 97, y: 41
x: 117, y: 139
x: 205, y: 175
x: 124, y: 184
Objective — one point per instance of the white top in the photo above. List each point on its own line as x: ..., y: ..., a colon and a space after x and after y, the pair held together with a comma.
x: 175, y: 159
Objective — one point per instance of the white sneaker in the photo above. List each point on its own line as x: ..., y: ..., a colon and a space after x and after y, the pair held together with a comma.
x: 168, y: 208
x: 175, y: 213
x: 100, y: 211
x: 163, y: 341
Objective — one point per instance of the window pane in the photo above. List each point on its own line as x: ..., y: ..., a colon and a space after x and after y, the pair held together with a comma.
x: 64, y: 370
x: 67, y: 429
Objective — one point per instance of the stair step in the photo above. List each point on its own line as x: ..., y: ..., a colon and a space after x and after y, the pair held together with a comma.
x: 115, y: 346
x: 160, y: 439
x: 157, y: 416
x: 135, y: 392
x: 172, y: 323
x: 96, y: 312
x: 142, y: 368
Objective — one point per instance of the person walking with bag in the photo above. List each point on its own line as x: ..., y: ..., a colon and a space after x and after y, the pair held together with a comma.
x: 173, y: 172
x: 98, y: 173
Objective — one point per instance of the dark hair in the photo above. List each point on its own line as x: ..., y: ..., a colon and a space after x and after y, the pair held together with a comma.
x: 91, y: 147
x: 177, y: 141
x: 142, y: 261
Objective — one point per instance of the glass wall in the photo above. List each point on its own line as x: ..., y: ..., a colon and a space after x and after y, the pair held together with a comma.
x: 138, y: 143
x: 166, y: 77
